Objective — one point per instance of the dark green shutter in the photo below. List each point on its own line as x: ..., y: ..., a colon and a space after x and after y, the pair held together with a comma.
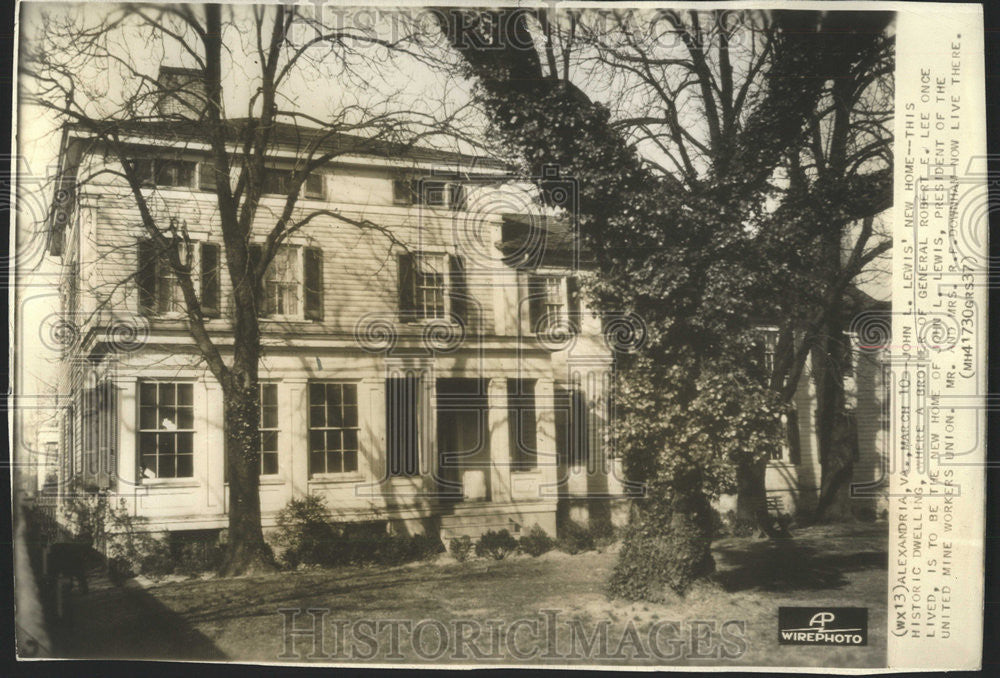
x: 313, y: 279
x: 573, y: 302
x: 794, y: 442
x: 536, y: 302
x: 206, y: 176
x: 210, y: 285
x: 145, y: 276
x: 459, y: 290
x: 407, y: 300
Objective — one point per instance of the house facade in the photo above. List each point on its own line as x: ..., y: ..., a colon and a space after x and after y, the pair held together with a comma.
x: 428, y: 364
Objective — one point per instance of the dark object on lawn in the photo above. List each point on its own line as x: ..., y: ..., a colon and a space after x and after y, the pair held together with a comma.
x: 67, y: 558
x: 496, y: 545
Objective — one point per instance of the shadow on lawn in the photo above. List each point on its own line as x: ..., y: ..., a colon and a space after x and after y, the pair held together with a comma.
x: 791, y: 565
x: 127, y: 623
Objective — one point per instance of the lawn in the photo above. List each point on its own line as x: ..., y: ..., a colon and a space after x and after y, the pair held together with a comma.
x: 730, y: 621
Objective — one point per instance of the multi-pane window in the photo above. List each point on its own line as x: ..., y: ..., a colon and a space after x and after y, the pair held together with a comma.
x: 268, y: 429
x: 434, y: 193
x: 282, y: 283
x: 165, y: 172
x: 166, y: 429
x: 333, y: 428
x: 429, y: 290
x: 160, y: 289
x: 547, y: 302
x: 278, y: 182
x: 433, y: 286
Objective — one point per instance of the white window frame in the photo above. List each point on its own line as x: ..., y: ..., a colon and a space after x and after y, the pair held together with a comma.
x: 161, y: 429
x: 300, y: 286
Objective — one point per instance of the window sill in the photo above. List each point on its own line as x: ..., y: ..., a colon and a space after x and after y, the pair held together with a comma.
x: 527, y: 472
x: 170, y: 482
x: 335, y: 478
x: 266, y: 480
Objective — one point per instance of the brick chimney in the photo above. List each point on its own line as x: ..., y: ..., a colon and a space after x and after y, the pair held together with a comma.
x: 183, y: 93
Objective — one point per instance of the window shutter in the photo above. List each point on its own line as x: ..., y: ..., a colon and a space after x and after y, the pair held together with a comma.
x: 314, y: 185
x: 459, y: 290
x: 256, y: 251
x: 536, y: 301
x: 313, y: 279
x: 210, y: 288
x: 206, y: 176
x: 407, y: 302
x: 145, y: 276
x: 573, y: 302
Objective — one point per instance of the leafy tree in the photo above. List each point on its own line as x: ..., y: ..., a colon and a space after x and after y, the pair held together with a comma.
x: 680, y: 247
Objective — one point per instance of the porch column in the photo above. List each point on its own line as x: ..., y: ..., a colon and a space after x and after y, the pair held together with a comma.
x: 427, y: 427
x: 499, y: 441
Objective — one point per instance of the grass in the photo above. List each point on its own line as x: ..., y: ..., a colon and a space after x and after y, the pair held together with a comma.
x: 837, y: 565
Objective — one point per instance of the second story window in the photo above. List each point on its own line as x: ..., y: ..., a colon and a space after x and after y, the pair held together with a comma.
x: 293, y: 283
x: 160, y: 291
x: 422, y: 286
x: 165, y: 172
x: 553, y: 301
x: 282, y: 283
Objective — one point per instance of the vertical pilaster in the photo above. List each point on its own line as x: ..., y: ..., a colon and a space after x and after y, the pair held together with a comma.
x: 499, y: 441
x: 293, y: 446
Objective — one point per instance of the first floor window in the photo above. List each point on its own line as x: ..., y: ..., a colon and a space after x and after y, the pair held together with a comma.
x: 166, y: 429
x: 333, y: 428
x: 268, y: 429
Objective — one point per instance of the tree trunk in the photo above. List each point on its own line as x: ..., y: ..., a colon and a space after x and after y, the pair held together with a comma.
x: 751, y: 500
x: 835, y: 451
x: 247, y: 552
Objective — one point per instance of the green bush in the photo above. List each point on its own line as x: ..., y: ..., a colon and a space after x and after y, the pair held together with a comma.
x: 157, y: 560
x: 496, y: 545
x: 575, y: 538
x: 536, y: 541
x: 461, y: 548
x: 305, y: 532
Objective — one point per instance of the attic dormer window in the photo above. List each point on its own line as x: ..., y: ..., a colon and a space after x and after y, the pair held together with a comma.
x: 278, y: 182
x: 164, y: 172
x: 433, y: 193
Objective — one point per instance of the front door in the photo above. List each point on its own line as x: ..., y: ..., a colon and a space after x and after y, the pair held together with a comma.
x: 463, y: 439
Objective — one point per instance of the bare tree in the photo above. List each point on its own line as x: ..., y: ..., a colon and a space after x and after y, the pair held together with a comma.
x: 91, y: 68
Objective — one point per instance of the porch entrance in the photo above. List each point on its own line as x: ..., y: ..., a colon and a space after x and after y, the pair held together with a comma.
x: 463, y: 439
